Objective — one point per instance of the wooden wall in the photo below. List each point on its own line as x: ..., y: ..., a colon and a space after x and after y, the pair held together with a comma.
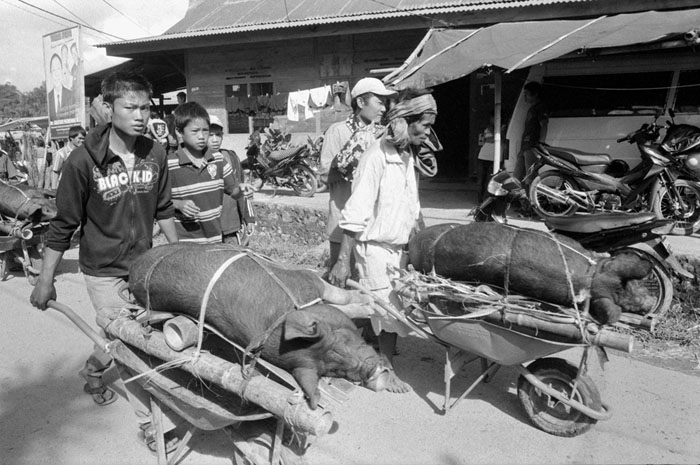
x: 293, y: 65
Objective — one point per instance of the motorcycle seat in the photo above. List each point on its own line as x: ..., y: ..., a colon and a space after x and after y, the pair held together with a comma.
x: 579, y: 157
x: 279, y: 155
x: 596, y: 222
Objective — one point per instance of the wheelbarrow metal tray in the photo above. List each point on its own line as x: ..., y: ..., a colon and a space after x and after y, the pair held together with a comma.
x: 550, y: 327
x: 206, y: 406
x: 493, y: 342
x: 262, y: 391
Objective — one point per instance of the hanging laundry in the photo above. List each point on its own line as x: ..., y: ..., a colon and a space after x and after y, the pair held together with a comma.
x: 320, y: 96
x: 278, y: 102
x: 263, y: 102
x: 233, y: 104
x: 298, y: 106
x: 341, y: 96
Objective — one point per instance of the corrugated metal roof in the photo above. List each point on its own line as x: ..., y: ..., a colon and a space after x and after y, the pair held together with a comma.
x: 212, y: 17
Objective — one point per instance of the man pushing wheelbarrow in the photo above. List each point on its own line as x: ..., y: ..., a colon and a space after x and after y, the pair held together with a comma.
x: 112, y: 187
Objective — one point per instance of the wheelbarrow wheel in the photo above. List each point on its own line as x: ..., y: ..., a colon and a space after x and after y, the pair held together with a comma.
x: 546, y: 412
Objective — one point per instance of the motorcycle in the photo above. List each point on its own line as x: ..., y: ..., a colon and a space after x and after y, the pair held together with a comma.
x: 276, y: 163
x: 682, y: 143
x: 593, y: 183
x: 602, y: 232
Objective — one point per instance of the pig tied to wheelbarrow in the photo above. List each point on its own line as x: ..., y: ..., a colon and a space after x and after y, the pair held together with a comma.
x: 535, y: 264
x: 26, y: 203
x: 253, y: 297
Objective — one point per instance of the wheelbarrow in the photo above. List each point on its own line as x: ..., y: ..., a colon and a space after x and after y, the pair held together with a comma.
x: 558, y: 397
x: 22, y: 245
x: 263, y: 413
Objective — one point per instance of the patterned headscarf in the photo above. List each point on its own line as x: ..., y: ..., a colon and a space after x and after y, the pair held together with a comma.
x: 415, y: 106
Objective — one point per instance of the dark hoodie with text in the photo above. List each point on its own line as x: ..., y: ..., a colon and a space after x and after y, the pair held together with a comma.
x: 115, y: 212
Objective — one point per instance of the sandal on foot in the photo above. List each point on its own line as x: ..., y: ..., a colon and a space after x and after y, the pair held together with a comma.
x: 102, y: 395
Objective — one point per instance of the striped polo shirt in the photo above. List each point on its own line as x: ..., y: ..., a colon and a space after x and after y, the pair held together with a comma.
x: 206, y: 187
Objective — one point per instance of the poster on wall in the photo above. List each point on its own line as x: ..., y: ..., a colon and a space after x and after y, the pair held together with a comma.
x: 65, y: 94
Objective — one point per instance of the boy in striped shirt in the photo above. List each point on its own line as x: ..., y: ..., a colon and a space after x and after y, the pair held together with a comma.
x: 199, y: 178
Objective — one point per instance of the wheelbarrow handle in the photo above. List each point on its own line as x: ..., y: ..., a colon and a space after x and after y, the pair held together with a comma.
x: 81, y: 324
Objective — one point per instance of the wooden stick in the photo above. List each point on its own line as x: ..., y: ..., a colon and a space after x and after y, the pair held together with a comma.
x: 262, y: 391
x: 81, y: 324
x: 389, y: 308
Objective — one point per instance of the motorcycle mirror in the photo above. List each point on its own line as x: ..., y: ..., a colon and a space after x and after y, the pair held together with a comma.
x: 671, y: 113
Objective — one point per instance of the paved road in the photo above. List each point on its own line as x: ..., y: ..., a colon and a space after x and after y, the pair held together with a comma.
x: 46, y: 419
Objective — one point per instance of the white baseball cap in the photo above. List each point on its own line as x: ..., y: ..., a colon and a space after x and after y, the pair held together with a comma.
x: 370, y: 84
x: 215, y: 121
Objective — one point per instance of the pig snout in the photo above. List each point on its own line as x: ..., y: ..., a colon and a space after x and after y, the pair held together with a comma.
x: 352, y: 358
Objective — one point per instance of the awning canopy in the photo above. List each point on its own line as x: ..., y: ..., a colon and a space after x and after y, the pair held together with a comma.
x: 447, y: 54
x: 164, y: 71
x: 20, y: 123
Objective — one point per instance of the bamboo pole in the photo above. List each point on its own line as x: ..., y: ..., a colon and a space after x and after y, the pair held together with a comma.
x: 570, y: 330
x: 262, y: 391
x: 13, y: 229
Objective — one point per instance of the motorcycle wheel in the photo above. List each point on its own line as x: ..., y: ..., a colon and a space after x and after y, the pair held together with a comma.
x: 685, y: 211
x: 658, y: 282
x: 303, y: 180
x: 543, y: 204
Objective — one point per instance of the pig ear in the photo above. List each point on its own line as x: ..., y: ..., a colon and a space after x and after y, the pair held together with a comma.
x: 300, y: 324
x: 308, y: 380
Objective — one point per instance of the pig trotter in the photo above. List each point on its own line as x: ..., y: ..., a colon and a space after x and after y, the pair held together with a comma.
x: 396, y: 385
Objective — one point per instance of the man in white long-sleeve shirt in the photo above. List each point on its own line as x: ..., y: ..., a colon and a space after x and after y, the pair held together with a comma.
x: 383, y: 209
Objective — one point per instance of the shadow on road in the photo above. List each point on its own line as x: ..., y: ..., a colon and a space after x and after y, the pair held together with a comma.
x: 421, y: 364
x: 37, y: 401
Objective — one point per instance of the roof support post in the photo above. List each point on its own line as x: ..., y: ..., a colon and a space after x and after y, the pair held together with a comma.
x: 497, y: 79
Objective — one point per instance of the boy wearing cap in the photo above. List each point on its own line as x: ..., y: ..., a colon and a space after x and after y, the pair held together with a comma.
x: 368, y: 104
x: 237, y: 217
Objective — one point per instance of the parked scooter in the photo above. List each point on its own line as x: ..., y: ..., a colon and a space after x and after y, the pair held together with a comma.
x: 594, y: 183
x: 603, y: 232
x: 682, y: 143
x: 285, y: 167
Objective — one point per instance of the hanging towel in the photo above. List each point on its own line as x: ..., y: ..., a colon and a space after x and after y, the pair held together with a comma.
x: 298, y: 106
x: 320, y: 96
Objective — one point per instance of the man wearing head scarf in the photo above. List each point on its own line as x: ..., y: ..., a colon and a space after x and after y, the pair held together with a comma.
x: 383, y: 209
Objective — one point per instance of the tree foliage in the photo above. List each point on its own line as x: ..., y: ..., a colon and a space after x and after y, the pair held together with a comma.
x: 15, y: 104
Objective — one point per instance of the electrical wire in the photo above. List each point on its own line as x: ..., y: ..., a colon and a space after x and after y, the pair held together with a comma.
x: 127, y: 17
x: 34, y: 14
x: 619, y: 89
x: 286, y: 10
x: 84, y: 23
x: 69, y: 20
